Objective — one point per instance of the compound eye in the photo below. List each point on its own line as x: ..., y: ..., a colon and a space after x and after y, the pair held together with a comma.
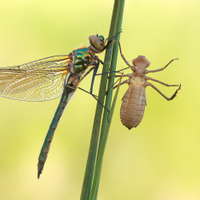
x: 102, y: 39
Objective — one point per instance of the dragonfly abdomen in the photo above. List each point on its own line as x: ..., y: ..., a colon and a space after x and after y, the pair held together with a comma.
x: 67, y: 94
x: 133, y: 106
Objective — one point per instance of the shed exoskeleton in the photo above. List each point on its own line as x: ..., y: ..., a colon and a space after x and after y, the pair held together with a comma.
x: 134, y: 100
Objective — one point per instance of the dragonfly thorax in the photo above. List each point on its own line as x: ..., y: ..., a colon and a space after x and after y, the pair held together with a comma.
x: 83, y: 59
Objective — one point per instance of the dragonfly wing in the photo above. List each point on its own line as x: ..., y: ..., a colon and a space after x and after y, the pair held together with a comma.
x: 35, y: 81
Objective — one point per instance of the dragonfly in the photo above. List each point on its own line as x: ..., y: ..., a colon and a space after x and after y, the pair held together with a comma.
x: 51, y: 77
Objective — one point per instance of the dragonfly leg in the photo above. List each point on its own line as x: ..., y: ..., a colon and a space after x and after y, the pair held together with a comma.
x: 167, y: 98
x: 111, y: 40
x: 92, y: 84
x: 158, y: 70
x: 123, y: 82
x: 165, y: 84
x: 113, y: 72
x: 100, y: 61
x: 86, y: 91
x: 123, y: 57
x: 119, y: 84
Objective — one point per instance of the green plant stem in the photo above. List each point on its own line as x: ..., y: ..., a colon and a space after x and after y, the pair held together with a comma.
x: 88, y: 179
x: 105, y: 124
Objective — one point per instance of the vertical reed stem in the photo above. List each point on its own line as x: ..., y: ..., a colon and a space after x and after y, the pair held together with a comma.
x: 89, y: 182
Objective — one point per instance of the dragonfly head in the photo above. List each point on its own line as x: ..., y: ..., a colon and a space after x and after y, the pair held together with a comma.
x: 97, y: 43
x: 140, y: 64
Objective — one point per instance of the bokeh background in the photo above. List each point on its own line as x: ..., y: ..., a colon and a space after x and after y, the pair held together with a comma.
x: 160, y: 159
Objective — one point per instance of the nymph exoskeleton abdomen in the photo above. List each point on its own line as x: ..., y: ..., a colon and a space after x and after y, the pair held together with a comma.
x: 133, y: 106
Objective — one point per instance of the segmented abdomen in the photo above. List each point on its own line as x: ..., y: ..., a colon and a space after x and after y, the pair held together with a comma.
x: 133, y: 105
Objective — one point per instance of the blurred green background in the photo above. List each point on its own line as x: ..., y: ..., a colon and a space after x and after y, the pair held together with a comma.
x: 160, y: 159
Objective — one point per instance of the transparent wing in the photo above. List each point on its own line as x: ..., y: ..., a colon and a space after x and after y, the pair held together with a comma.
x: 39, y: 80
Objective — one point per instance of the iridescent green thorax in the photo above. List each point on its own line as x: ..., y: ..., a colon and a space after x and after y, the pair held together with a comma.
x: 83, y: 58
